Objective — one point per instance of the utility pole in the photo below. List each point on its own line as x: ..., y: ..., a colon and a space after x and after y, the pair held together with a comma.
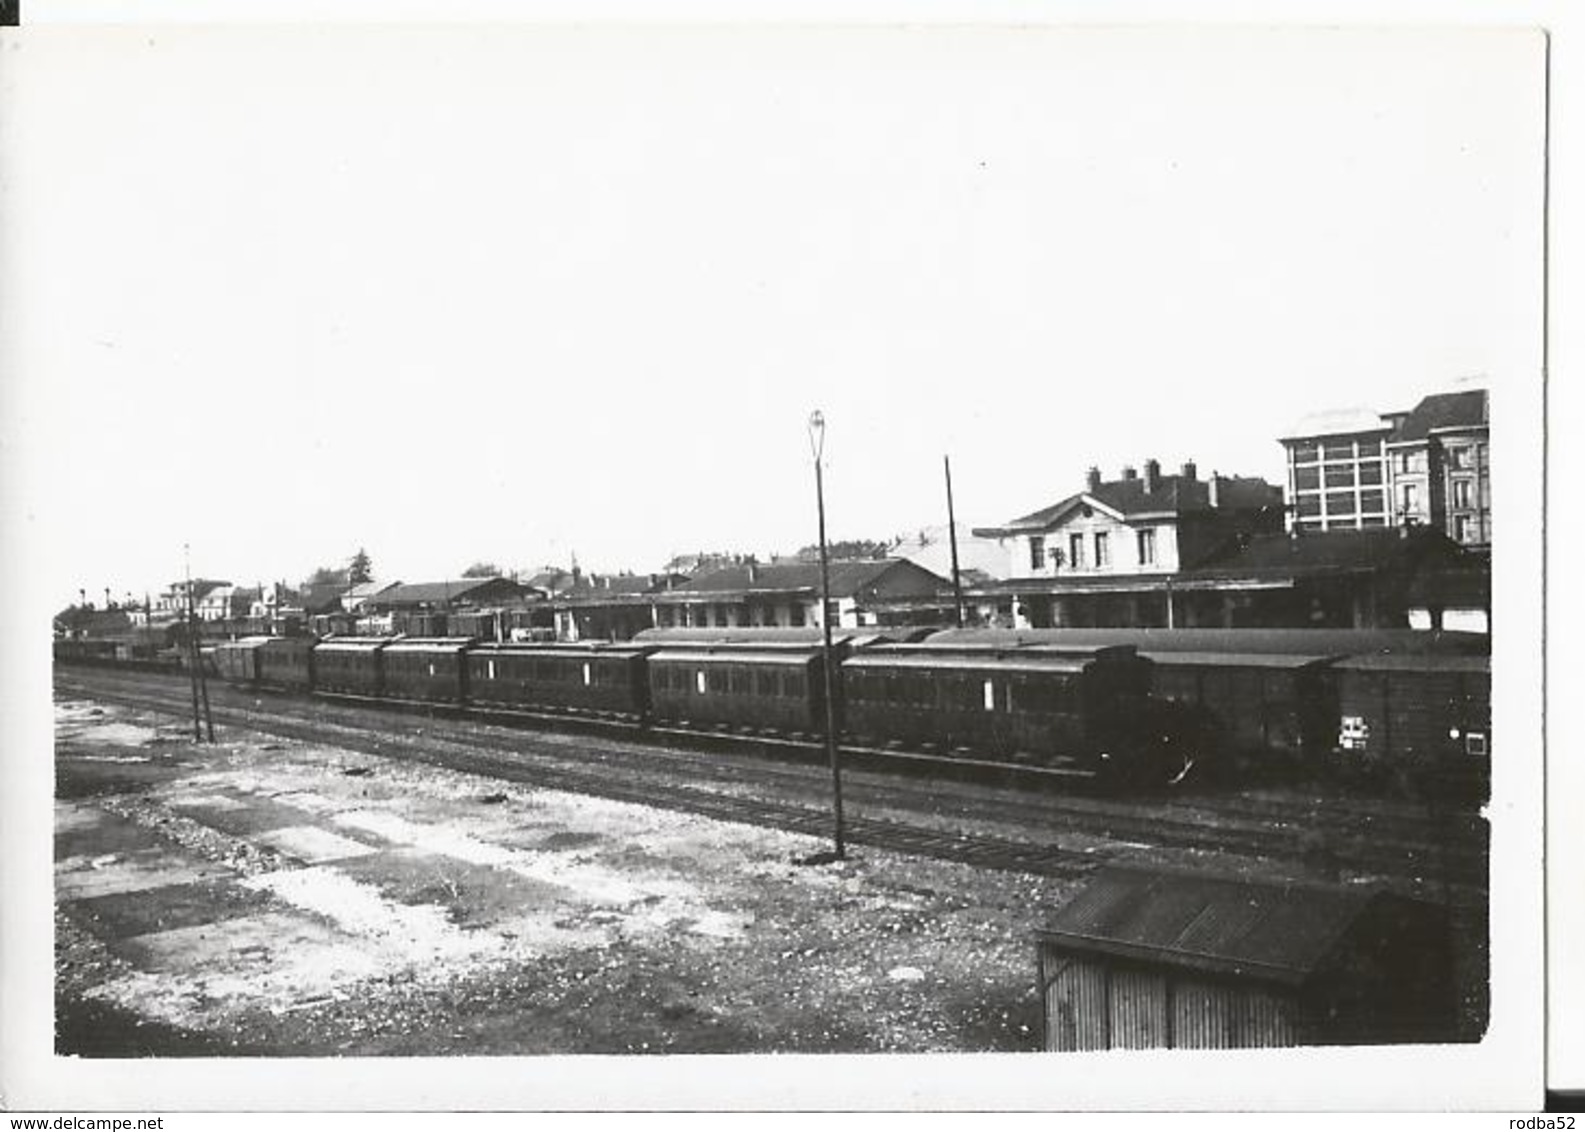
x: 817, y: 440
x: 952, y: 535
x: 200, y: 682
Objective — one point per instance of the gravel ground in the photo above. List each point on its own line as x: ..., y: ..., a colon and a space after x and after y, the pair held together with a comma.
x: 314, y: 901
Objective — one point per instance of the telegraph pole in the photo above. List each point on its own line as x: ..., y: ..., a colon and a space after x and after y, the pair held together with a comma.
x: 952, y: 535
x: 817, y: 441
x: 200, y: 682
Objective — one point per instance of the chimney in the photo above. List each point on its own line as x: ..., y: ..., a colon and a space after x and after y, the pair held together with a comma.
x: 753, y: 573
x: 1130, y: 472
x: 1190, y: 470
x: 1152, y: 475
x: 1093, y: 479
x: 1214, y: 489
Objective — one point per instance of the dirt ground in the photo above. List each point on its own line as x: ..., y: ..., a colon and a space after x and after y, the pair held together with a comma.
x: 263, y: 897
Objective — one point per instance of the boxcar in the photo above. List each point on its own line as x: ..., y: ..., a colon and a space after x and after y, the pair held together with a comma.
x: 287, y: 663
x: 594, y: 677
x: 775, y: 686
x: 351, y: 665
x: 431, y: 670
x: 238, y: 661
x: 1404, y: 714
x: 1261, y: 693
x: 1078, y: 705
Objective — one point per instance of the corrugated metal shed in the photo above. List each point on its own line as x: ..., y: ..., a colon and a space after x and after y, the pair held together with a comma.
x: 1151, y: 958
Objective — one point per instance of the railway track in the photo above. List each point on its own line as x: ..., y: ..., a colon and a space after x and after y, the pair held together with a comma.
x: 1446, y: 849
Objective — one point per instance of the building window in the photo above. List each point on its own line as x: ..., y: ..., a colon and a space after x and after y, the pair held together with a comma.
x: 1370, y: 448
x: 1103, y: 549
x: 1037, y: 552
x: 1306, y: 479
x: 1306, y: 453
x: 1147, y: 548
x: 1340, y: 476
x: 1463, y: 528
x: 1458, y: 457
x: 1407, y: 463
x: 1370, y: 473
x: 1410, y: 496
x: 1340, y: 503
x: 1309, y: 505
x: 1461, y: 494
x: 1076, y: 551
x: 1343, y: 451
x: 1372, y: 501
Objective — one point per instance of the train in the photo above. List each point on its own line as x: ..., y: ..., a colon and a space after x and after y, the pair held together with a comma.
x: 1142, y: 707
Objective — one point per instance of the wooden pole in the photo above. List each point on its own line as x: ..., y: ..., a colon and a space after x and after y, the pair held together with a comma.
x: 952, y: 535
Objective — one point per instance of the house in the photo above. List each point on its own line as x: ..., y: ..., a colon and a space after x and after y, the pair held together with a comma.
x: 1430, y: 466
x: 1107, y: 555
x: 611, y: 607
x: 869, y: 592
x: 425, y: 608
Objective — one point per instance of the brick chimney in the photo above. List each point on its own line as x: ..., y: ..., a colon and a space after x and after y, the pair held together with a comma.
x: 1130, y: 472
x: 1152, y: 475
x: 1093, y: 479
x: 1190, y: 470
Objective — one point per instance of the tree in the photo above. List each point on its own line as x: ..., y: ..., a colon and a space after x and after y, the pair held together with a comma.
x: 848, y: 550
x: 326, y: 576
x: 361, y: 569
x: 484, y: 570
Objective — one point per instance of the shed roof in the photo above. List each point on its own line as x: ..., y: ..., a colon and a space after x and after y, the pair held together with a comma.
x: 848, y: 578
x: 1330, y: 552
x: 1281, y: 932
x: 432, y: 593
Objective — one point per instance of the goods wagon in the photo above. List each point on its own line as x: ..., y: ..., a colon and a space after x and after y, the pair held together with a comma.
x: 549, y: 677
x: 350, y: 665
x: 776, y: 686
x: 286, y: 663
x: 432, y: 670
x: 1079, y: 705
x: 1403, y: 715
x: 238, y: 661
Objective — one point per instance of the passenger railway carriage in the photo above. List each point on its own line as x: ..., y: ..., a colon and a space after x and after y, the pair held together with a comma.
x: 351, y: 665
x: 1076, y: 705
x: 596, y: 677
x: 776, y: 686
x: 427, y: 669
x: 1144, y: 705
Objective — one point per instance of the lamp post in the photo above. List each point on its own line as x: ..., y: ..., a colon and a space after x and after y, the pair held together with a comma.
x: 817, y: 443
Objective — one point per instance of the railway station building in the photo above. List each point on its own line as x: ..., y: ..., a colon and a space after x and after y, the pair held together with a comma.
x: 782, y: 594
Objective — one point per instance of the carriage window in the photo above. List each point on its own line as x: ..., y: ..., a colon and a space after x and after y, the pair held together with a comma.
x: 490, y: 667
x: 431, y: 668
x: 699, y: 681
x: 990, y: 695
x: 587, y: 676
x: 1475, y: 743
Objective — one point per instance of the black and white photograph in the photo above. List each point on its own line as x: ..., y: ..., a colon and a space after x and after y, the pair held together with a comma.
x: 790, y: 566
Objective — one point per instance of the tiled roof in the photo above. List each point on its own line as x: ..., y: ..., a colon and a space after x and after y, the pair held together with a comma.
x: 1175, y: 494
x: 1468, y: 409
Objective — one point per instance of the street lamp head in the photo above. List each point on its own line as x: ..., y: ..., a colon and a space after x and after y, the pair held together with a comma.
x: 817, y: 433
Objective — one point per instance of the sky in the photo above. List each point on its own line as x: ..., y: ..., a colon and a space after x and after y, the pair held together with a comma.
x: 516, y: 295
